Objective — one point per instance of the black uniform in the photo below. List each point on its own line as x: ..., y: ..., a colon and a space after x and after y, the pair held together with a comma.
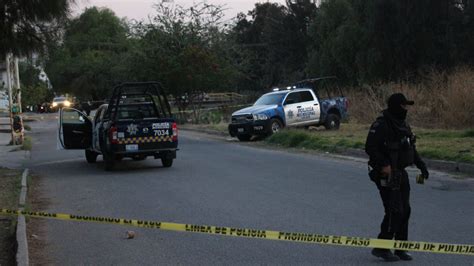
x: 391, y: 142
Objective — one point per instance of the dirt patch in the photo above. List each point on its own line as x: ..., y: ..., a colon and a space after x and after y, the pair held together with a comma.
x: 10, y: 182
x: 36, y: 228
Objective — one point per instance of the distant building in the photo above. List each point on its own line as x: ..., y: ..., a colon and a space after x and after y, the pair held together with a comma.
x: 3, y: 86
x: 3, y: 101
x: 3, y: 75
x: 33, y: 60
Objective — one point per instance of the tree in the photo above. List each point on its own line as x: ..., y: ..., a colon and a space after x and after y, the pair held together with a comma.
x: 185, y: 49
x: 260, y: 46
x: 25, y: 25
x: 85, y: 63
x: 34, y: 90
x: 388, y: 40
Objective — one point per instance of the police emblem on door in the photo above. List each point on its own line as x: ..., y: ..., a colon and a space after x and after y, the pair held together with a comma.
x: 132, y: 129
x: 290, y: 114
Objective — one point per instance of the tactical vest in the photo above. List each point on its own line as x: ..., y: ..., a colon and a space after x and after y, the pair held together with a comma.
x: 401, y: 149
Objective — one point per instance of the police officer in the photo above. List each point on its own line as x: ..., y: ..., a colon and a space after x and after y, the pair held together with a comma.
x: 391, y: 148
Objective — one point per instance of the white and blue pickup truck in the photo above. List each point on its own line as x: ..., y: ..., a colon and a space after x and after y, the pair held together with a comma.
x: 298, y: 105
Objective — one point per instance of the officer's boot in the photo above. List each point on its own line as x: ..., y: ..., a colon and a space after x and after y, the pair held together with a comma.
x: 385, y: 254
x: 403, y: 255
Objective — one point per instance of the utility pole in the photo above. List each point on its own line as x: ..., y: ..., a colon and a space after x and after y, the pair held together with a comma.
x: 14, y: 93
x: 17, y: 86
x: 10, y: 97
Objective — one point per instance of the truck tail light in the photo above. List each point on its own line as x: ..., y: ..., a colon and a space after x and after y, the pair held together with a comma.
x: 175, y: 131
x: 347, y: 104
x: 113, y: 135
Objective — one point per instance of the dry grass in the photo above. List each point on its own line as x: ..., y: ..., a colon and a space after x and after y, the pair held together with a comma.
x: 442, y: 100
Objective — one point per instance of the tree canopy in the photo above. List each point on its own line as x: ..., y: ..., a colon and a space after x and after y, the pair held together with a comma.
x: 86, y: 62
x: 192, y: 50
x: 26, y: 25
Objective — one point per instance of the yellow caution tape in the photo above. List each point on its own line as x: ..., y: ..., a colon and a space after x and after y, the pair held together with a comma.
x: 459, y: 249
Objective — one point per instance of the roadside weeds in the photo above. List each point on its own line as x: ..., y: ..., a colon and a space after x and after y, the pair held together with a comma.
x: 27, y: 144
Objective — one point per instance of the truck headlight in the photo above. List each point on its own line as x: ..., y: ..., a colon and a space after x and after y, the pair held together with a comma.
x: 67, y: 103
x: 55, y: 104
x: 260, y: 117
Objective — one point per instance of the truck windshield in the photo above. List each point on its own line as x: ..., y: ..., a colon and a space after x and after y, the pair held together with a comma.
x: 270, y: 99
x: 136, y: 111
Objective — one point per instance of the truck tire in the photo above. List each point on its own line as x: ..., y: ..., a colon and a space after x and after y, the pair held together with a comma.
x: 167, y: 162
x: 332, y: 122
x: 109, y: 162
x: 244, y: 137
x: 91, y: 156
x: 276, y: 125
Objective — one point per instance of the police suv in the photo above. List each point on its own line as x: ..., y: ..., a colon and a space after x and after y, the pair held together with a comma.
x: 297, y: 105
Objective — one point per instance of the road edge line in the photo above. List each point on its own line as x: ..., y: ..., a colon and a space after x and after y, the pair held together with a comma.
x: 22, y: 257
x: 450, y: 167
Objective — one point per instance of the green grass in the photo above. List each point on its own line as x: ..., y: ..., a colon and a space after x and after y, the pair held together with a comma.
x: 451, y: 145
x: 27, y: 144
x: 10, y: 187
x: 221, y: 127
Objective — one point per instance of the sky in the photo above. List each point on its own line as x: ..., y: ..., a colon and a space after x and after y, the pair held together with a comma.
x: 140, y: 9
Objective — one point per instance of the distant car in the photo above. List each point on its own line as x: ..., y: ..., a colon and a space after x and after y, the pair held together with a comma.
x: 299, y: 105
x: 43, y: 108
x: 60, y: 102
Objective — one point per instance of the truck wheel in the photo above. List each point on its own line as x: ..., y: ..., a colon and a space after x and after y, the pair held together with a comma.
x: 109, y: 161
x: 91, y: 156
x: 276, y: 125
x: 244, y: 137
x: 332, y: 122
x: 167, y: 162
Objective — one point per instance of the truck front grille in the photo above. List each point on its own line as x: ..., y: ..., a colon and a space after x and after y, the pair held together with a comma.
x: 241, y: 119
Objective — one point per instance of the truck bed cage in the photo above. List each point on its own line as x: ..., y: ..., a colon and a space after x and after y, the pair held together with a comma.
x: 313, y: 83
x: 152, y: 89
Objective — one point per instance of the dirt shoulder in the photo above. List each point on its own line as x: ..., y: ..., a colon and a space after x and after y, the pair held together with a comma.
x: 10, y: 185
x: 36, y: 228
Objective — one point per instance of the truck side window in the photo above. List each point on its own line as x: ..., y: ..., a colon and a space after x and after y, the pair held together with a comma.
x: 72, y: 117
x: 293, y: 97
x: 306, y: 96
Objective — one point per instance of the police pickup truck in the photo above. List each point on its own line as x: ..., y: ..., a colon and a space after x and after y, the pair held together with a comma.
x: 136, y: 123
x: 298, y: 105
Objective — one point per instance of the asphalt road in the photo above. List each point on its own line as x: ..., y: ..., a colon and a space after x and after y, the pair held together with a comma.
x: 220, y: 182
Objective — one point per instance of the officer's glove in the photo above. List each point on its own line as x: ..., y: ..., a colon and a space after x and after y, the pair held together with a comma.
x: 424, y: 172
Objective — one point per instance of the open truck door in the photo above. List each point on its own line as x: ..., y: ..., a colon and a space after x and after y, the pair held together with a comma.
x: 75, y: 129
